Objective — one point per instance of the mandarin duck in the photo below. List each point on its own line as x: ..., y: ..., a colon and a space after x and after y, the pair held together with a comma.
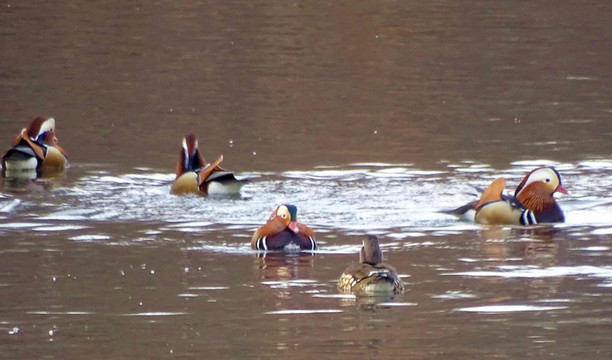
x: 283, y: 232
x: 370, y: 276
x: 195, y: 176
x: 532, y: 203
x: 35, y: 152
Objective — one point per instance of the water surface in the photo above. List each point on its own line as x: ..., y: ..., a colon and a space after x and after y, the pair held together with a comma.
x: 370, y: 117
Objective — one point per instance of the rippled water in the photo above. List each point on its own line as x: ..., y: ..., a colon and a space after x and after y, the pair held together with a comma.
x: 396, y: 200
x: 114, y: 259
x: 371, y: 117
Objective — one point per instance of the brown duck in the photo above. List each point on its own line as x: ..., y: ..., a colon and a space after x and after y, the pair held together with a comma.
x: 370, y: 276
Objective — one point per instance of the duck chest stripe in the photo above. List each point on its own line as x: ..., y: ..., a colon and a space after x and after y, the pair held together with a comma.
x: 528, y: 218
x: 261, y: 244
x: 313, y: 244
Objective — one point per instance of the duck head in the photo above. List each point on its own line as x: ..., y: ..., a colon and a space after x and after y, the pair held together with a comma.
x: 286, y: 215
x: 42, y: 130
x: 190, y: 158
x: 370, y: 251
x: 538, y: 187
x: 39, y: 132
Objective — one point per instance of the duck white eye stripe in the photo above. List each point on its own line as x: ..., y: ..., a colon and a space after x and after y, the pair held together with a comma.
x: 47, y: 125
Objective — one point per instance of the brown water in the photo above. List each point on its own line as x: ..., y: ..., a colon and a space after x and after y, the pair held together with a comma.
x: 369, y: 116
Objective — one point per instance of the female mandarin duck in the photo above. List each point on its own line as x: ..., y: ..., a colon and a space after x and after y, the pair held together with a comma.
x: 532, y: 203
x: 195, y: 176
x: 35, y: 152
x: 370, y: 275
x: 283, y: 232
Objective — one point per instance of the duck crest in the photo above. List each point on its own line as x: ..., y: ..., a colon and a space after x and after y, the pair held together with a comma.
x: 546, y: 175
x: 38, y: 126
x: 520, y: 186
x: 190, y: 157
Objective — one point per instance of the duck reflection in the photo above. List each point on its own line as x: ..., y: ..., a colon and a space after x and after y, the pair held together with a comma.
x: 368, y: 302
x: 22, y: 185
x: 540, y: 246
x: 286, y: 274
x: 528, y: 252
x: 537, y: 244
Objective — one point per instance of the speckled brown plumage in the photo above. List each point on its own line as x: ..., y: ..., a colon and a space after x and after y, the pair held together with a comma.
x: 370, y: 275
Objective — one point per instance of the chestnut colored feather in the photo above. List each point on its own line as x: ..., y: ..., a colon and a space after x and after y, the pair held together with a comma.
x: 277, y: 233
x: 492, y: 192
x: 37, y: 148
x: 39, y: 137
x: 205, y: 173
x: 533, y: 202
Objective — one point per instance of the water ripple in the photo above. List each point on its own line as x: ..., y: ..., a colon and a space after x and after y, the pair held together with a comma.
x: 394, y: 200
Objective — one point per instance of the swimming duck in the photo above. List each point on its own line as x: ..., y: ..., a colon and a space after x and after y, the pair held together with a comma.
x: 370, y: 275
x: 35, y: 152
x: 283, y: 232
x: 532, y: 203
x: 195, y: 176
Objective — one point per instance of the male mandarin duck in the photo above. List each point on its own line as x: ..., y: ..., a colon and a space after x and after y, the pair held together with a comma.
x: 35, y: 152
x: 195, y: 176
x: 370, y: 276
x: 532, y: 203
x: 283, y: 232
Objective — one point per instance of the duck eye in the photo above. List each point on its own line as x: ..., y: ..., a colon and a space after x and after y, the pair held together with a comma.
x: 547, y: 180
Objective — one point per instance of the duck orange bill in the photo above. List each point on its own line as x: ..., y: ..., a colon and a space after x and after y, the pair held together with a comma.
x: 293, y: 226
x: 562, y: 190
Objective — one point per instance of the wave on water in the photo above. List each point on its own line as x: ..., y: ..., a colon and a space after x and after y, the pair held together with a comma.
x: 397, y: 200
